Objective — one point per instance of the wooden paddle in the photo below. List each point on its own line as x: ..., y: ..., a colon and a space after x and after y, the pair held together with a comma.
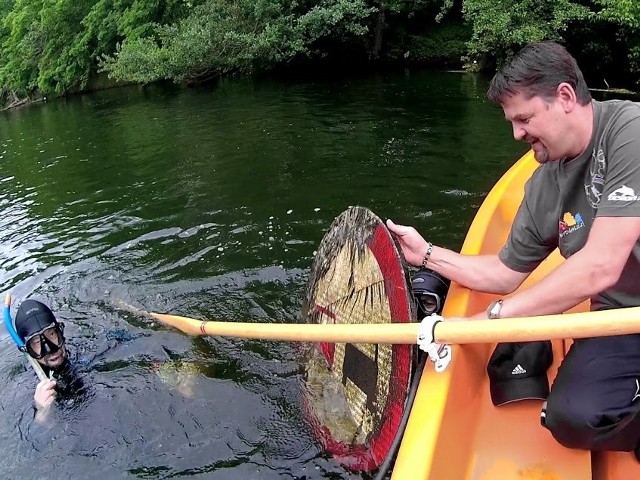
x: 524, y: 329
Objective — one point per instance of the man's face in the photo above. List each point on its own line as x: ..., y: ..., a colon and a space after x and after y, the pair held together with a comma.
x: 540, y: 123
x: 55, y: 359
x: 429, y: 303
x: 49, y: 340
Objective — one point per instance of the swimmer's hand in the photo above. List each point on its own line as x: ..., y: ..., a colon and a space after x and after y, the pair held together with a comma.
x: 45, y: 394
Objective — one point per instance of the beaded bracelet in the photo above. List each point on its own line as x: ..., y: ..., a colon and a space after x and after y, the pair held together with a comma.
x: 427, y: 255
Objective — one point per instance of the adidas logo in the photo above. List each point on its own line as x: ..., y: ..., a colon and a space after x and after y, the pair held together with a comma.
x: 518, y: 370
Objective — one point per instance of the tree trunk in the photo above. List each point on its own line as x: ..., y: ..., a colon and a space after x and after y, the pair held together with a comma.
x: 377, y: 46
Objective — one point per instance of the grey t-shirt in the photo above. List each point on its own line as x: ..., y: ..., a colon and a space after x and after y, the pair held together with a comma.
x: 562, y: 199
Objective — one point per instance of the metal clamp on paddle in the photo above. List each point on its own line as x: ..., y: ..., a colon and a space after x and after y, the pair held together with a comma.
x: 439, y: 354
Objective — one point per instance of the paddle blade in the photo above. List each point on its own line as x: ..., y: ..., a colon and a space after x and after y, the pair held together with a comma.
x: 356, y: 393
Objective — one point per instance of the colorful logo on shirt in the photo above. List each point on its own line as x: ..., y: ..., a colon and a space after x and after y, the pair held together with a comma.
x: 570, y: 223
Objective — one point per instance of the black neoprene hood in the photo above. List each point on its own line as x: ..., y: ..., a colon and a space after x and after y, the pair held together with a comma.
x: 33, y: 317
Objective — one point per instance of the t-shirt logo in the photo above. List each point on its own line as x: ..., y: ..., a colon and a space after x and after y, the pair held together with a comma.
x: 597, y: 170
x: 570, y: 223
x: 622, y: 194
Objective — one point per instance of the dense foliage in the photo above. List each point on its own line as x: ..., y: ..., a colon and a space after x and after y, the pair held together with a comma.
x: 219, y: 37
x: 501, y: 27
x: 54, y: 47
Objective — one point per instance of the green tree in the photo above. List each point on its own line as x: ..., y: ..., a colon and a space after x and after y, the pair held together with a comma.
x: 501, y: 27
x: 61, y: 66
x: 53, y: 46
x: 61, y: 46
x: 624, y: 15
x: 23, y: 43
x: 241, y: 36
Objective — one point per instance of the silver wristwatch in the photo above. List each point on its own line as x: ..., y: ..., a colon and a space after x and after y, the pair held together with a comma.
x: 493, y: 311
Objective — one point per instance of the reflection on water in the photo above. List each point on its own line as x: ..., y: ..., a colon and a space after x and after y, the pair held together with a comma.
x: 210, y: 203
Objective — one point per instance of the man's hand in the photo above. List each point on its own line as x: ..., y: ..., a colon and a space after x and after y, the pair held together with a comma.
x: 45, y: 394
x: 412, y: 244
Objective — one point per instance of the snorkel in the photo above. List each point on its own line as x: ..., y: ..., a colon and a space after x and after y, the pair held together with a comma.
x: 8, y: 323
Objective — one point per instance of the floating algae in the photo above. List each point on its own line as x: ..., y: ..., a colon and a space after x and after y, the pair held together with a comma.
x: 179, y: 374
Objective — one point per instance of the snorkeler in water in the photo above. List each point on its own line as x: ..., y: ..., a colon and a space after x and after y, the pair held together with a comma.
x: 44, y: 340
x: 430, y: 291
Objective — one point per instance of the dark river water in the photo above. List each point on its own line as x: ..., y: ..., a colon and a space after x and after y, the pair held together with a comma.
x: 210, y: 203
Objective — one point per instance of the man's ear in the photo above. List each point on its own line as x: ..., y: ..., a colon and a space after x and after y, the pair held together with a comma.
x: 567, y: 97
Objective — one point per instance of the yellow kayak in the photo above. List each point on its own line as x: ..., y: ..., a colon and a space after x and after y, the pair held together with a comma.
x: 454, y: 432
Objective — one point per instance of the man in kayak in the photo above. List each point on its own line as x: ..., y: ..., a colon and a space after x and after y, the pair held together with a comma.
x: 44, y: 340
x: 584, y: 199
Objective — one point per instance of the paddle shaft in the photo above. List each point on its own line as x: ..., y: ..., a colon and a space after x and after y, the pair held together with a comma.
x: 37, y: 367
x: 572, y: 325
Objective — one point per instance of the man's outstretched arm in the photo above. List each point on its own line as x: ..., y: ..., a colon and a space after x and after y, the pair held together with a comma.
x: 483, y: 273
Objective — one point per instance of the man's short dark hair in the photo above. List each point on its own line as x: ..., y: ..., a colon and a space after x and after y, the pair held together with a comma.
x: 537, y: 70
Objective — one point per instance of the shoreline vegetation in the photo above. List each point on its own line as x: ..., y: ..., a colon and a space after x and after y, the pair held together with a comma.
x: 56, y: 48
